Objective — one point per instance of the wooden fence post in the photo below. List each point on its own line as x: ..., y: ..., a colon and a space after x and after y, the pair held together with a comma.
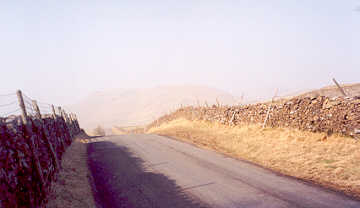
x: 37, y: 109
x: 62, y: 142
x: 66, y: 117
x: 47, y: 135
x: 63, y: 114
x: 53, y: 111
x: 267, y: 116
x: 340, y: 88
x: 22, y: 106
x: 31, y: 137
x: 52, y: 150
x: 60, y: 111
x: 232, y: 118
x: 269, y: 109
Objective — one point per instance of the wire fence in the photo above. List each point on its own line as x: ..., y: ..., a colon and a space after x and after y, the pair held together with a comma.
x: 31, y: 147
x: 10, y: 106
x: 45, y: 108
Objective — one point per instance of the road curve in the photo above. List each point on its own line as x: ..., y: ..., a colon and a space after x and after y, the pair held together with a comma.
x: 155, y: 171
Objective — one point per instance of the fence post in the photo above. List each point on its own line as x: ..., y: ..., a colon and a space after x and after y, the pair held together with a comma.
x: 31, y: 137
x: 232, y: 118
x: 22, y: 106
x: 269, y: 109
x: 62, y: 141
x: 267, y: 116
x: 37, y: 109
x: 218, y: 103
x: 77, y: 122
x: 61, y: 112
x: 47, y: 135
x: 340, y: 88
x: 53, y: 111
x: 66, y: 117
x: 68, y: 124
x: 52, y: 150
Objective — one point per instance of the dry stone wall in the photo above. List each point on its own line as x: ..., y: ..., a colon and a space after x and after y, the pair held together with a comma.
x: 29, y: 157
x: 317, y: 114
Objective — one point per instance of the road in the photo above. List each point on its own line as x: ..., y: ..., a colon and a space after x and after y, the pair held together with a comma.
x: 155, y: 171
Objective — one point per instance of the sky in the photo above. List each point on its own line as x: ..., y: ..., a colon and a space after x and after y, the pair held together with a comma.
x: 61, y: 51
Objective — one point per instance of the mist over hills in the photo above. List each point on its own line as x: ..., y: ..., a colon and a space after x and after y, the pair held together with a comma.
x: 127, y: 107
x: 130, y: 107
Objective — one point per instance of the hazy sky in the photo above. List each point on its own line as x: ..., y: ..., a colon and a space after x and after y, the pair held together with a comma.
x: 60, y: 51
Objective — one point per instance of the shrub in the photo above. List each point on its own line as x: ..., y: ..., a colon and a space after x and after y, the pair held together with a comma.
x: 99, y: 131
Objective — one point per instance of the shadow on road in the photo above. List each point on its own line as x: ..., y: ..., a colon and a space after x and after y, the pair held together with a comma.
x: 121, y: 180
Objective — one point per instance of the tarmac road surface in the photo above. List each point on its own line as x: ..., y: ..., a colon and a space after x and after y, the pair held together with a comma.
x: 155, y: 171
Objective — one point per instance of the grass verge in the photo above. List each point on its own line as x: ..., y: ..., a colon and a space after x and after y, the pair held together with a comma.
x: 72, y: 189
x: 331, y: 161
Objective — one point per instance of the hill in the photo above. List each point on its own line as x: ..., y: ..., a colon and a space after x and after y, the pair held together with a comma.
x: 129, y: 107
x: 332, y: 91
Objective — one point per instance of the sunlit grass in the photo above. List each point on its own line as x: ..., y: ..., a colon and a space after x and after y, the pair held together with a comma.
x: 332, y: 161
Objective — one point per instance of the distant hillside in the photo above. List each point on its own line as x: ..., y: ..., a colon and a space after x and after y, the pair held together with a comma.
x: 333, y: 91
x: 141, y: 106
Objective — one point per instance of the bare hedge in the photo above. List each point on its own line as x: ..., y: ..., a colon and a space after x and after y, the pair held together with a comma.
x: 29, y: 157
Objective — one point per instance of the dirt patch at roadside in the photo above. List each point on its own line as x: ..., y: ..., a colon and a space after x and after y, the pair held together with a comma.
x: 72, y: 189
x: 331, y: 161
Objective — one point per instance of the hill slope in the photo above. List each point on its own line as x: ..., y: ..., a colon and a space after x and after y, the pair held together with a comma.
x: 333, y: 91
x: 141, y: 106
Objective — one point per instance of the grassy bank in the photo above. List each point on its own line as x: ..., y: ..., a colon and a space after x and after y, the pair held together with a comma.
x: 73, y: 189
x: 331, y: 161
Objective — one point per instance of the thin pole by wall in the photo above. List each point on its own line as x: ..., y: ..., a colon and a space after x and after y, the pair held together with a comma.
x: 22, y: 106
x: 340, y: 88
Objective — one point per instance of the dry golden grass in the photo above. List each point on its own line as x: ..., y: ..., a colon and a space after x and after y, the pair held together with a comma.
x: 332, y: 161
x: 72, y: 189
x: 116, y: 130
